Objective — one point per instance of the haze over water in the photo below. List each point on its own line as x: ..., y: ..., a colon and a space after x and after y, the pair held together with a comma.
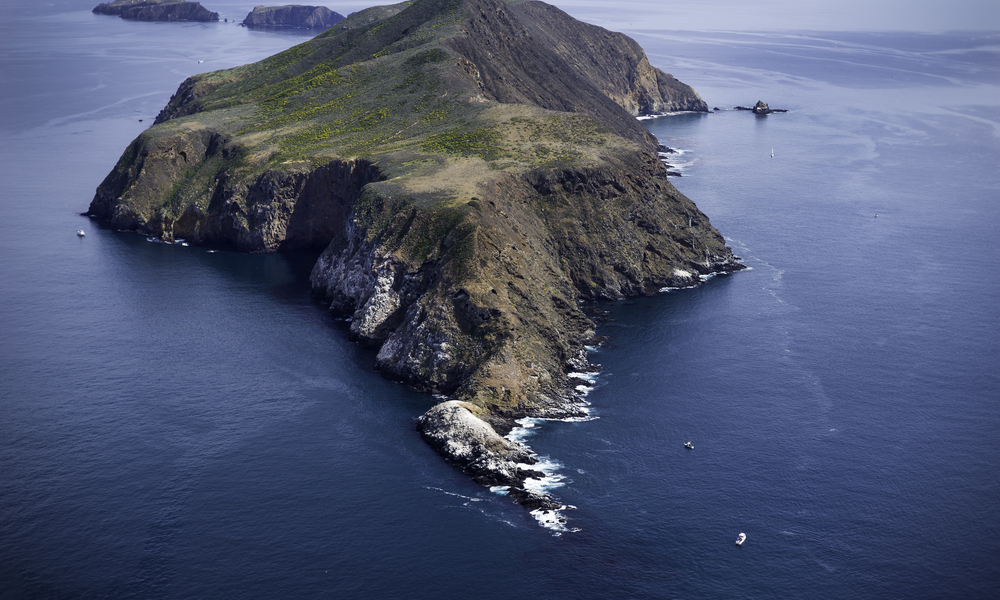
x: 177, y: 424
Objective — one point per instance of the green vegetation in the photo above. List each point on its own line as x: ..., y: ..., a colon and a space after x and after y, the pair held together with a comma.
x: 484, y: 143
x: 382, y: 84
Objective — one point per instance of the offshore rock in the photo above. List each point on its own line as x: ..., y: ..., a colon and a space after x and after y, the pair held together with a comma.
x: 473, y: 168
x: 294, y: 15
x: 761, y: 109
x: 157, y: 10
x: 457, y: 432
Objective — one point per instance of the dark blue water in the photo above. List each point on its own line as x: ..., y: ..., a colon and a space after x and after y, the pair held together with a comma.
x: 179, y: 424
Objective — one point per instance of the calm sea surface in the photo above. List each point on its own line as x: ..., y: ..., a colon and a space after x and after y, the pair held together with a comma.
x: 182, y: 424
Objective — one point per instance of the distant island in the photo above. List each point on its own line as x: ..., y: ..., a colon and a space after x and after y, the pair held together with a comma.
x: 157, y: 10
x: 293, y: 15
x: 474, y: 170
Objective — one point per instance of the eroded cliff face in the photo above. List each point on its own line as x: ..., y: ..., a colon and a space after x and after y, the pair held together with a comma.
x: 481, y: 303
x: 474, y: 169
x: 210, y: 200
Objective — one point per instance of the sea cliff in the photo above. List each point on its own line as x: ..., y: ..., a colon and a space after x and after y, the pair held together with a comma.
x: 474, y: 170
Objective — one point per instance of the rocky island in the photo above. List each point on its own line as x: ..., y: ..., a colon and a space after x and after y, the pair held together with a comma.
x: 293, y: 15
x: 761, y: 109
x: 157, y: 10
x: 474, y: 170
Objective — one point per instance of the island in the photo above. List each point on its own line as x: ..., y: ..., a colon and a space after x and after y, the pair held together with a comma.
x: 157, y: 10
x: 293, y: 15
x: 761, y: 109
x: 473, y: 169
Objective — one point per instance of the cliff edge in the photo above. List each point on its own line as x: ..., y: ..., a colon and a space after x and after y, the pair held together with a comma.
x: 473, y: 168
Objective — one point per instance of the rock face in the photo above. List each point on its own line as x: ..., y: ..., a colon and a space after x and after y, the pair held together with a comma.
x: 157, y: 10
x: 473, y: 168
x: 294, y: 15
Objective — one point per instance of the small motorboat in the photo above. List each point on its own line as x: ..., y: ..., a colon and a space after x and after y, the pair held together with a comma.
x: 740, y: 539
x: 80, y: 232
x: 689, y: 445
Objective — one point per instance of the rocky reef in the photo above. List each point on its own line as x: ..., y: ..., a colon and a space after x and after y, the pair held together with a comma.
x: 157, y: 10
x: 474, y: 170
x: 293, y: 15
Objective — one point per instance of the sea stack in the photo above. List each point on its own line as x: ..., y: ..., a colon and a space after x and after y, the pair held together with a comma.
x: 474, y: 169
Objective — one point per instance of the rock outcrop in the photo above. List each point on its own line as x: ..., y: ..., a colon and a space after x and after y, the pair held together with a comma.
x: 474, y: 170
x: 157, y: 10
x: 761, y: 109
x: 293, y: 15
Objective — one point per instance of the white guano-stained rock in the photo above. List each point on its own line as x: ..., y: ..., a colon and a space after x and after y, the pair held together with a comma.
x: 454, y: 430
x: 383, y: 302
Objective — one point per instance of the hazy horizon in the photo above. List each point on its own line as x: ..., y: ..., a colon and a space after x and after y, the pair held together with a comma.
x: 930, y: 16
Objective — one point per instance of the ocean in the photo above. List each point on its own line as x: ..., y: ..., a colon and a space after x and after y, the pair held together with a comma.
x: 176, y: 423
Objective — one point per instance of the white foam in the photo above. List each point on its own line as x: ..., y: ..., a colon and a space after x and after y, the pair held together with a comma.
x: 553, y: 520
x: 584, y: 376
x: 446, y: 492
x: 676, y: 160
x: 701, y: 279
x: 549, y: 467
x: 519, y: 434
x: 666, y: 114
x: 551, y: 480
x: 585, y: 417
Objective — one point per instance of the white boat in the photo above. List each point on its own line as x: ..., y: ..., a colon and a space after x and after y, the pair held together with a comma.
x: 740, y: 539
x: 689, y: 445
x: 772, y: 152
x: 80, y: 232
